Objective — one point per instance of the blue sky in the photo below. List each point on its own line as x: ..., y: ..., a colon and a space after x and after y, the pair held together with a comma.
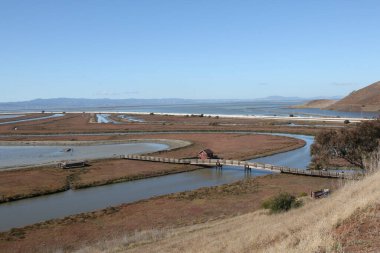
x: 187, y: 49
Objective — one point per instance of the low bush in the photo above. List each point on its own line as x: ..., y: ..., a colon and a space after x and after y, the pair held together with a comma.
x: 303, y: 194
x: 281, y: 203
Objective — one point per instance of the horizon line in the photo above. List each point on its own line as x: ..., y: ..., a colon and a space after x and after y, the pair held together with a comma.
x: 177, y: 98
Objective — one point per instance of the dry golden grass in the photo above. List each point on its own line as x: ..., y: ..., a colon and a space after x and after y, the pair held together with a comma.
x: 307, y: 229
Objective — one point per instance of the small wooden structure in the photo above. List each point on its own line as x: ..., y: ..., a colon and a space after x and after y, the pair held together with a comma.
x: 71, y: 165
x: 206, y: 154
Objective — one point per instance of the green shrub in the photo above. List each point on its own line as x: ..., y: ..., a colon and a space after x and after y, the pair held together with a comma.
x: 281, y: 203
x: 303, y: 194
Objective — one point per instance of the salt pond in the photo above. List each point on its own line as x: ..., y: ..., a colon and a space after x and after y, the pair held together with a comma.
x: 13, y: 156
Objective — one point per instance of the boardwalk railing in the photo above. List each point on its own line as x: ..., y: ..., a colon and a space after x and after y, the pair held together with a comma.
x: 206, y: 162
x: 245, y: 164
x: 321, y: 173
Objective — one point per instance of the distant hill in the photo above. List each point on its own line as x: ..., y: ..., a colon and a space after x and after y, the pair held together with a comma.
x: 318, y: 103
x: 280, y: 98
x: 366, y: 99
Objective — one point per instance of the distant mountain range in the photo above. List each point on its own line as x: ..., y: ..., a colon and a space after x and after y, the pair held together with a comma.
x: 70, y: 103
x: 82, y: 103
x: 85, y: 103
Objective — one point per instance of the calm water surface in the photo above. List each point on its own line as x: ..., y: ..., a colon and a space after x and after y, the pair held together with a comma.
x: 23, y: 212
x: 33, y: 119
x: 130, y: 118
x: 261, y: 108
x: 299, y: 158
x: 10, y: 116
x: 13, y: 156
x: 265, y: 108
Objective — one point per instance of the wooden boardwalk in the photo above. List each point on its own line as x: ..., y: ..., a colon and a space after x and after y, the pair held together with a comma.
x: 219, y: 163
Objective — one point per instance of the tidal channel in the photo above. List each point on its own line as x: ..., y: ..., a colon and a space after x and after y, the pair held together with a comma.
x: 29, y: 211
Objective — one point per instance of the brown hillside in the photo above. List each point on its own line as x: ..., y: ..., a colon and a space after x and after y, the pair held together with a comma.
x: 366, y: 99
x: 318, y: 103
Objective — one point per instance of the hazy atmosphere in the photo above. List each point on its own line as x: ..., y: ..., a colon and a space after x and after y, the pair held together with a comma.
x: 186, y: 49
x: 189, y: 126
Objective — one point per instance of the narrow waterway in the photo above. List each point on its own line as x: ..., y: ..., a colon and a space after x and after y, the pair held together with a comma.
x: 23, y: 212
x: 299, y: 158
x: 29, y: 211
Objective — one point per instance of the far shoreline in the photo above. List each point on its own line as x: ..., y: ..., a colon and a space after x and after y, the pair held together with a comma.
x: 231, y: 116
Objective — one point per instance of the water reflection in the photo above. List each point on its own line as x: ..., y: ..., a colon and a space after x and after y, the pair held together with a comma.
x: 299, y: 158
x: 32, y: 119
x: 130, y: 118
x: 13, y: 156
x: 10, y: 116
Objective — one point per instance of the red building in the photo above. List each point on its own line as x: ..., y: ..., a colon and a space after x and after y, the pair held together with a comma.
x: 206, y: 154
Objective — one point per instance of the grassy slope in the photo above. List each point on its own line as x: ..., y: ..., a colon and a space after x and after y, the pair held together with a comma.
x: 307, y: 229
